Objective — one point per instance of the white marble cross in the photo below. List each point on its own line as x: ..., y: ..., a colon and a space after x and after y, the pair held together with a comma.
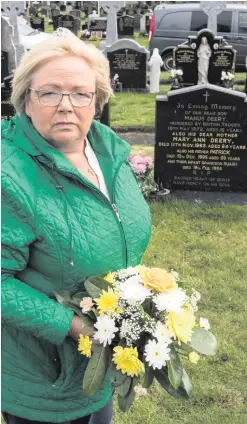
x: 213, y: 9
x: 12, y: 9
x: 111, y: 8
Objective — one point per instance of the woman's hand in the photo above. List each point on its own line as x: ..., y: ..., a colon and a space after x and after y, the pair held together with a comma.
x: 76, y: 329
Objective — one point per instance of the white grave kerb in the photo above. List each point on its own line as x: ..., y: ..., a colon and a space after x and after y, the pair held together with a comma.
x: 213, y: 9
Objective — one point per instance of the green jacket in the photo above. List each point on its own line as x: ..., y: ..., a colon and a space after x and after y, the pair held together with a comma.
x: 58, y: 229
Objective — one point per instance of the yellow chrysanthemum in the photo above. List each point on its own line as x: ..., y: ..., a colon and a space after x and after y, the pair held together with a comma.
x: 126, y: 360
x: 110, y: 277
x: 181, y: 324
x: 85, y: 345
x: 108, y: 301
x: 194, y: 357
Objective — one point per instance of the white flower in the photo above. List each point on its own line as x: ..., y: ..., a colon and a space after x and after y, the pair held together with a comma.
x: 196, y: 295
x: 106, y: 330
x: 204, y: 323
x: 125, y: 273
x: 86, y: 304
x: 170, y: 302
x: 156, y: 354
x: 133, y: 291
x: 179, y: 72
x: 140, y: 391
x: 175, y: 274
x: 162, y: 333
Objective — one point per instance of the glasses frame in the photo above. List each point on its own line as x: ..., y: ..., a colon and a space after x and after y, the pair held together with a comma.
x: 62, y: 94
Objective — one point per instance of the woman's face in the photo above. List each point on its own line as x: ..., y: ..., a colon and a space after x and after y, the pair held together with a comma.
x: 64, y: 126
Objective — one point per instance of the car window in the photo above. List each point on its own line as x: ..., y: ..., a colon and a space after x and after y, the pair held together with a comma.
x: 242, y: 22
x: 176, y: 21
x: 224, y: 21
x: 199, y: 20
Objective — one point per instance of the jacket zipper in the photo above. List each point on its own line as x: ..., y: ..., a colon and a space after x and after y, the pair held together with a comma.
x: 106, y: 200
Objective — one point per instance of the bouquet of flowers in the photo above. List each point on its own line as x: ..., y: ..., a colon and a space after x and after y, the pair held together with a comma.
x: 227, y: 78
x: 176, y: 76
x: 144, y: 323
x: 143, y: 168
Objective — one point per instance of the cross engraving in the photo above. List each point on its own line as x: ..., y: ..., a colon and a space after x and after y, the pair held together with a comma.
x: 213, y: 9
x: 206, y: 95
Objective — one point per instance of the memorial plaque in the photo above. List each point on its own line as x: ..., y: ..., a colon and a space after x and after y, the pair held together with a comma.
x: 37, y: 23
x: 68, y: 21
x: 200, y: 140
x: 125, y: 25
x: 221, y: 57
x: 129, y: 60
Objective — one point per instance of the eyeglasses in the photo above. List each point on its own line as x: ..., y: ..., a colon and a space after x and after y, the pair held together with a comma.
x: 54, y: 98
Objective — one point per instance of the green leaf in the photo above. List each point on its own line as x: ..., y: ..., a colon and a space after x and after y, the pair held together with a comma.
x: 182, y: 346
x: 95, y: 285
x: 125, y: 402
x: 96, y: 370
x: 162, y: 377
x: 186, y: 384
x: 149, y: 377
x: 72, y: 306
x: 203, y: 341
x: 175, y: 368
x: 117, y: 378
x: 78, y: 296
x: 63, y: 296
x: 123, y: 388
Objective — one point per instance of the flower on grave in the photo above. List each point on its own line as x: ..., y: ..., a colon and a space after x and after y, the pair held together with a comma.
x: 106, y: 330
x: 171, y: 301
x: 86, y: 304
x: 85, y: 345
x: 156, y: 354
x: 193, y: 357
x: 162, y: 333
x: 157, y: 279
x: 181, y: 325
x: 176, y: 72
x: 204, y: 323
x: 127, y: 361
x: 108, y: 302
x: 110, y: 277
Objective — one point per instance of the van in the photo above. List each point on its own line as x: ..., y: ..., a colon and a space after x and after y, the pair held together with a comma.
x: 172, y: 24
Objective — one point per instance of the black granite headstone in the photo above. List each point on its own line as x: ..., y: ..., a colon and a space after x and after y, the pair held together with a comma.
x: 31, y: 10
x: 137, y: 20
x: 37, y: 23
x: 56, y: 21
x: 130, y: 65
x: 222, y: 57
x: 125, y: 25
x: 200, y: 141
x: 62, y: 8
x: 75, y: 13
x: 97, y: 24
x: 44, y: 11
x: 68, y: 21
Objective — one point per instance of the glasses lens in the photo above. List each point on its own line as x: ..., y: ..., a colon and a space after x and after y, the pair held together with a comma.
x: 81, y: 99
x: 49, y: 98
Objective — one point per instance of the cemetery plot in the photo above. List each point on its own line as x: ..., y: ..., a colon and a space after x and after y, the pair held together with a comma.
x: 37, y: 23
x: 125, y: 25
x: 200, y: 141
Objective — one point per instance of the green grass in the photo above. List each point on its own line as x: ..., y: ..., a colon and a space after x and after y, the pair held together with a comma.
x: 207, y: 246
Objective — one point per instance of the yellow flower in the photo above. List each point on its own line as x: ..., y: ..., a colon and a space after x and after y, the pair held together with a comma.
x: 108, y: 301
x: 110, y: 277
x: 126, y: 360
x: 85, y: 345
x: 194, y: 357
x: 181, y: 324
x: 157, y: 279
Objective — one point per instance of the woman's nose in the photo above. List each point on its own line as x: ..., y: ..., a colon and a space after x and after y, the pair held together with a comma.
x: 65, y: 104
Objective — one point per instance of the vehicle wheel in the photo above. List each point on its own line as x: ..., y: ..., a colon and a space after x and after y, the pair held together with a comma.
x: 168, y: 61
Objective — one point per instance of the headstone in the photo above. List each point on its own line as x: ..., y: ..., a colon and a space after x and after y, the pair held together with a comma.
x: 62, y: 8
x: 4, y: 65
x: 56, y: 21
x: 148, y: 18
x: 200, y: 141
x: 190, y: 58
x: 137, y: 19
x: 111, y: 8
x: 125, y: 25
x: 89, y: 6
x: 143, y: 30
x: 129, y: 60
x: 12, y: 9
x: 213, y: 9
x: 44, y: 12
x: 76, y: 13
x: 246, y: 75
x: 32, y: 11
x: 68, y: 21
x: 55, y: 12
x: 78, y: 5
x: 97, y: 25
x: 7, y: 47
x: 37, y: 23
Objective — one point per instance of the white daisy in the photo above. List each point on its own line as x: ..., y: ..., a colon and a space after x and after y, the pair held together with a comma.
x: 204, y: 323
x: 162, y: 333
x: 156, y: 354
x: 106, y: 330
x: 170, y: 302
x: 133, y: 291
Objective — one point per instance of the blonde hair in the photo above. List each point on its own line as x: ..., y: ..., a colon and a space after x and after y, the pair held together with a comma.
x: 57, y: 46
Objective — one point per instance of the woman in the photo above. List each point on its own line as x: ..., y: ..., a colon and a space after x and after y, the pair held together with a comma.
x: 71, y: 208
x: 203, y: 53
